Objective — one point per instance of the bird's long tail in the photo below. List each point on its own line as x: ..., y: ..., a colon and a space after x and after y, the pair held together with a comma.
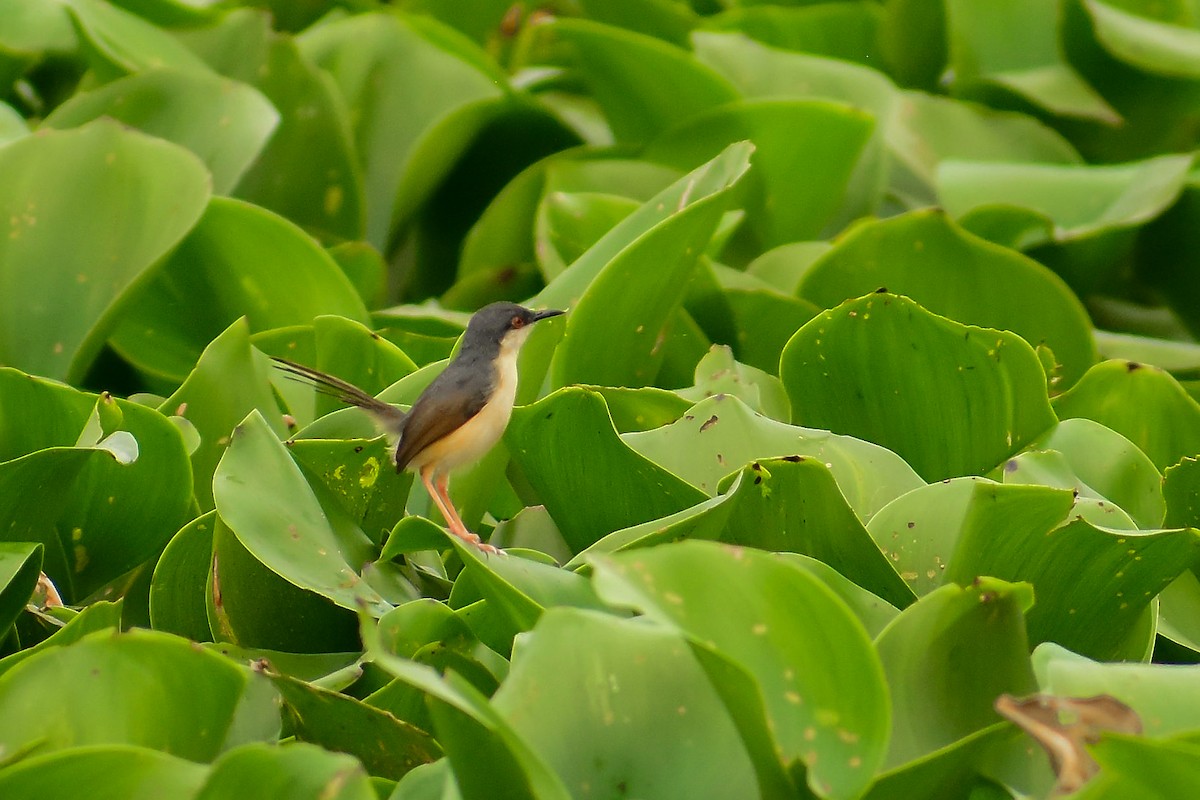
x: 387, y: 415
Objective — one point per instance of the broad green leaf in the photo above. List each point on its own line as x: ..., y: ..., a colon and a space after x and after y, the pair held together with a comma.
x: 947, y: 657
x: 642, y: 684
x: 1157, y: 768
x: 386, y: 746
x: 805, y: 155
x: 848, y: 31
x: 664, y: 19
x: 262, y: 496
x: 872, y: 611
x: 89, y: 255
x: 1143, y: 403
x: 833, y: 722
x: 240, y: 260
x: 178, y: 589
x: 12, y: 124
x: 793, y: 505
x: 230, y: 379
x: 721, y: 434
x: 562, y: 442
x: 632, y: 289
x: 103, y: 772
x: 120, y: 42
x: 614, y: 63
x: 307, y: 172
x: 294, y: 771
x: 1166, y: 260
x: 1181, y: 491
x: 718, y: 373
x: 1173, y: 356
x: 949, y: 771
x: 138, y: 688
x: 1165, y: 697
x: 93, y: 617
x: 568, y: 223
x: 926, y: 256
x: 641, y: 409
x: 20, y: 565
x: 224, y: 122
x: 113, y: 516
x: 705, y: 520
x: 1148, y: 44
x: 414, y: 105
x: 949, y: 398
x: 1015, y: 46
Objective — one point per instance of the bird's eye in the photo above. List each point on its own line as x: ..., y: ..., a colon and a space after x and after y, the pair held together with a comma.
x: 518, y: 322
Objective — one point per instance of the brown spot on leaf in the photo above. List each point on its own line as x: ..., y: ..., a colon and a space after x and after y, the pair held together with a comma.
x: 708, y: 423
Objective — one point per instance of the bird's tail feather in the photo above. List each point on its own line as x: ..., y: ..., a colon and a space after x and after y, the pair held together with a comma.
x: 335, y: 387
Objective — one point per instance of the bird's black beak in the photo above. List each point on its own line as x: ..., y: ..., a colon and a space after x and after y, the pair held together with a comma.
x: 538, y: 315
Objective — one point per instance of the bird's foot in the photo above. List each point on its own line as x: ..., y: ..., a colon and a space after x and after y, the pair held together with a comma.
x: 473, y: 538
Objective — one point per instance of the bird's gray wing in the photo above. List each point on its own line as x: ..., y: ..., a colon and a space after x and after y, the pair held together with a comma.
x: 387, y: 416
x: 441, y: 409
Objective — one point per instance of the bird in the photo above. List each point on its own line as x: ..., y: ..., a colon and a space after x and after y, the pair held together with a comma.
x: 459, y: 416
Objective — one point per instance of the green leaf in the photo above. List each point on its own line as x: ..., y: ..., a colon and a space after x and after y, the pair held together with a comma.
x: 848, y: 31
x: 294, y: 771
x: 652, y: 690
x: 20, y: 565
x: 178, y: 596
x: 94, y: 617
x: 240, y: 260
x: 1015, y: 46
x: 414, y: 102
x: 139, y: 688
x: 805, y: 155
x: 224, y: 122
x: 947, y: 657
x: 1148, y: 44
x: 120, y: 42
x: 721, y: 434
x: 627, y: 305
x: 926, y: 256
x: 103, y: 772
x: 951, y: 399
x: 561, y: 442
x: 1159, y: 769
x: 386, y: 746
x: 793, y: 505
x: 1143, y: 403
x: 718, y: 373
x: 89, y: 256
x: 261, y: 493
x: 768, y: 619
x: 614, y: 63
x: 951, y: 770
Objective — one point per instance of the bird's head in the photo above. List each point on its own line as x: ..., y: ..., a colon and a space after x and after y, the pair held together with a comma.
x: 506, y: 324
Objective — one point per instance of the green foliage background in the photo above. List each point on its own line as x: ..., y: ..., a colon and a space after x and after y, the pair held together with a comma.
x: 876, y: 397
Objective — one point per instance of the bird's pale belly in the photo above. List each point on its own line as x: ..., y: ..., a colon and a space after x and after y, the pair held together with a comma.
x: 477, y: 436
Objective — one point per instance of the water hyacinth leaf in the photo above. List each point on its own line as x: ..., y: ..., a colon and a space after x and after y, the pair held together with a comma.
x: 224, y: 122
x: 561, y: 442
x: 20, y: 565
x: 296, y: 771
x: 705, y: 520
x: 1165, y: 697
x: 1117, y: 573
x: 94, y: 617
x: 926, y: 256
x: 239, y: 261
x: 179, y: 586
x: 1143, y: 403
x: 872, y: 611
x: 386, y: 746
x: 951, y: 769
x: 653, y: 675
x: 1016, y: 47
x: 229, y: 380
x: 90, y: 257
x: 642, y: 408
x: 1181, y: 490
x: 414, y: 102
x: 817, y: 719
x: 307, y: 172
x: 1149, y: 44
x: 103, y: 772
x: 884, y: 369
x: 630, y: 302
x: 158, y: 691
x: 569, y: 223
x: 806, y: 152
x: 611, y: 59
x: 848, y: 31
x: 720, y: 373
x: 793, y: 505
x: 121, y: 42
x: 721, y: 434
x: 947, y: 657
x: 260, y: 492
x: 113, y: 516
x: 1110, y: 467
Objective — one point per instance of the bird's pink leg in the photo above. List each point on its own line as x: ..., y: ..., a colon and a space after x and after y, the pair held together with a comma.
x: 441, y: 498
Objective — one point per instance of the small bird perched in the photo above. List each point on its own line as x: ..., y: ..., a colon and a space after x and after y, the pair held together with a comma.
x: 460, y: 415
